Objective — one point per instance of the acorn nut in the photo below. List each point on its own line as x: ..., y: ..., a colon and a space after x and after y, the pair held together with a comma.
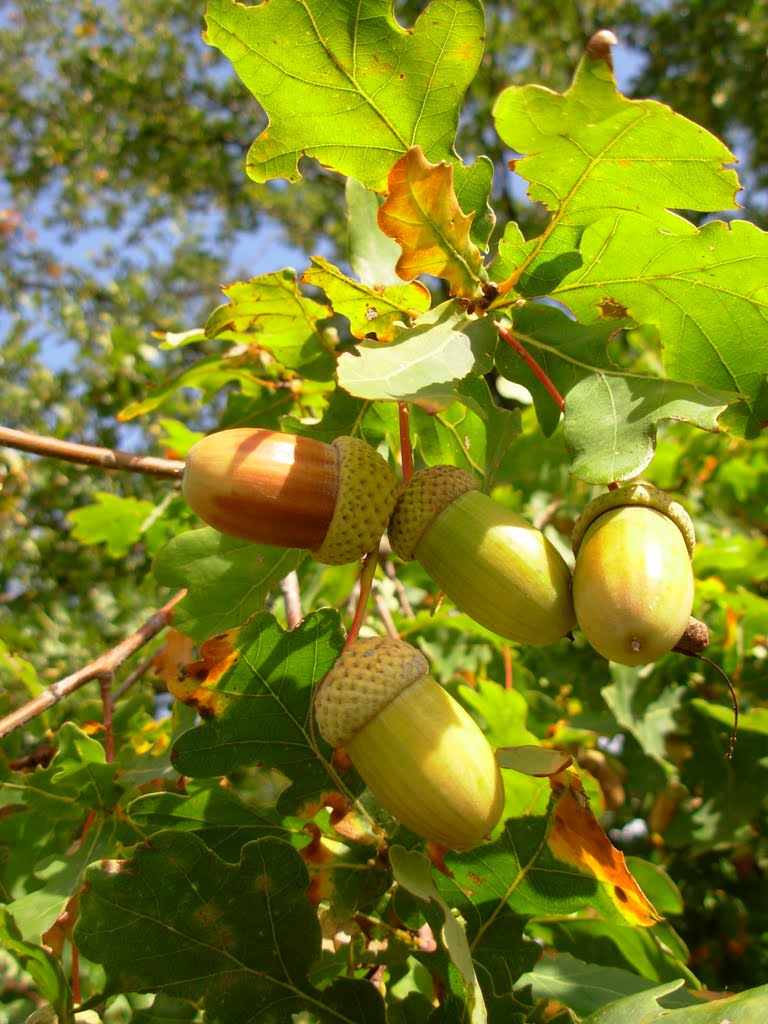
x: 421, y: 754
x: 291, y: 491
x: 633, y: 582
x: 494, y: 564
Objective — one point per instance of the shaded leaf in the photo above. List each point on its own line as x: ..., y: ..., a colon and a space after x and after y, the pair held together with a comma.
x: 591, y: 149
x: 413, y: 871
x: 745, y: 1008
x: 255, y: 691
x: 369, y: 309
x: 354, y: 89
x: 587, y: 987
x: 45, y: 968
x: 611, y: 421
x: 426, y: 361
x: 242, y: 937
x: 227, y: 579
x: 421, y: 212
x: 269, y: 312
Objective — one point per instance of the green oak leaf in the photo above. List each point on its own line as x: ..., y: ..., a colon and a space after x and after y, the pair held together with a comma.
x: 269, y: 312
x: 369, y: 309
x: 591, y: 149
x: 240, y: 937
x: 347, y: 85
x: 374, y: 422
x: 543, y: 262
x: 372, y: 254
x: 208, y: 376
x: 611, y: 420
x: 643, y: 708
x: 227, y: 579
x: 41, y: 964
x: 747, y: 1007
x: 426, y: 361
x: 119, y: 522
x: 586, y: 987
x: 257, y: 700
x: 717, y: 338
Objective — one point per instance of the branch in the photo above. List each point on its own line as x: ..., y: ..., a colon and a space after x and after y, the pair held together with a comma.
x: 102, y: 667
x: 89, y: 455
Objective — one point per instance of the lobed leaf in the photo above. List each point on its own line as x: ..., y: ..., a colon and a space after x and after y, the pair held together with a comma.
x: 371, y: 310
x: 704, y: 291
x: 253, y: 688
x: 227, y: 579
x: 353, y: 89
x: 270, y: 313
x: 591, y: 149
x: 177, y: 920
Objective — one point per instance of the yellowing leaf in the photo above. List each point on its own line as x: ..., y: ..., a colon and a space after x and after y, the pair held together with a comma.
x: 576, y: 837
x: 369, y: 309
x: 196, y: 684
x: 423, y: 215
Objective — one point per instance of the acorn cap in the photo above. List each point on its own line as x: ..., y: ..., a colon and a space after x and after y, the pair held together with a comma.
x: 367, y: 677
x: 365, y: 499
x: 638, y: 495
x: 425, y: 496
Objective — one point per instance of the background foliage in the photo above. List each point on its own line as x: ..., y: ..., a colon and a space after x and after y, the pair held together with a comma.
x: 125, y: 204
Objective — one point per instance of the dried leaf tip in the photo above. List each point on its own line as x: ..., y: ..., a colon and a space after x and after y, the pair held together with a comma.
x: 599, y: 46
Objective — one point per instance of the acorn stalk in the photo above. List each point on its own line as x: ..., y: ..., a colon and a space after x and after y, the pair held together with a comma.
x: 291, y: 491
x: 633, y: 584
x: 494, y: 564
x: 422, y: 755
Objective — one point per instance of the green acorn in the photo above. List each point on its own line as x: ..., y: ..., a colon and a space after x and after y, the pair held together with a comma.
x: 494, y: 564
x: 633, y: 582
x: 423, y: 756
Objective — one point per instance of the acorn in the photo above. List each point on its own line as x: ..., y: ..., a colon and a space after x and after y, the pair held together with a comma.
x: 494, y: 564
x: 290, y: 491
x: 421, y: 754
x: 633, y: 582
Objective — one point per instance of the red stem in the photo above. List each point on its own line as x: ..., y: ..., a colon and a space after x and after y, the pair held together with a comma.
x: 531, y: 363
x: 89, y: 455
x: 406, y: 451
x: 367, y: 573
x: 76, y: 994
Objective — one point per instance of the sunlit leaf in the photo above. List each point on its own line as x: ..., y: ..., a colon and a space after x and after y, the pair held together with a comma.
x: 426, y: 361
x: 352, y: 88
x: 592, y: 149
x: 119, y: 522
x: 270, y: 313
x: 370, y: 310
x: 41, y: 964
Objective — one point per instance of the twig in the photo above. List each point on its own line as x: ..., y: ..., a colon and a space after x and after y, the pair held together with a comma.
x: 89, y: 455
x: 532, y: 365
x: 402, y: 597
x: 102, y: 666
x: 133, y: 677
x: 289, y: 588
x: 384, y: 614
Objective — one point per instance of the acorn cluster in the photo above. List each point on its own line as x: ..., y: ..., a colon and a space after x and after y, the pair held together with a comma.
x: 422, y: 755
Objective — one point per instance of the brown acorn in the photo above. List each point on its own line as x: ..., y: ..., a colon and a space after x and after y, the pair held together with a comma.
x: 421, y: 754
x: 291, y: 491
